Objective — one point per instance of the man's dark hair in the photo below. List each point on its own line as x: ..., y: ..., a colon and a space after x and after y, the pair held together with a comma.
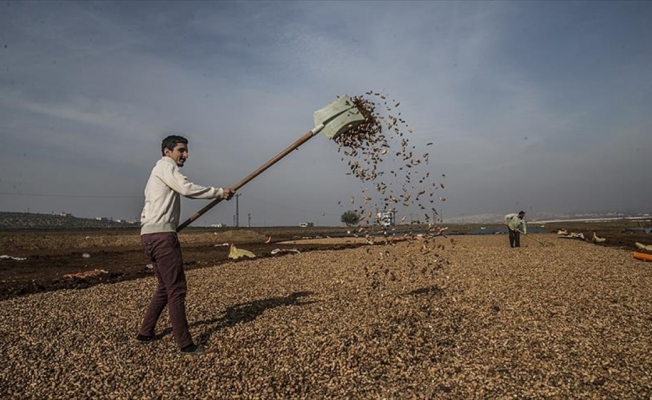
x: 520, y: 212
x: 171, y: 141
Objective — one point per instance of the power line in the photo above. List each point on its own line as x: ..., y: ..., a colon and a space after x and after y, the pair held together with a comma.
x: 96, y: 196
x: 287, y: 207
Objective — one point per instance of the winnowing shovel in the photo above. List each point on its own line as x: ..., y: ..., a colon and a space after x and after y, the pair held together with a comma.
x: 333, y: 120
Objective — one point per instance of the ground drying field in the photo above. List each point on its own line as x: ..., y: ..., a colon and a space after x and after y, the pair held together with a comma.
x: 457, y: 317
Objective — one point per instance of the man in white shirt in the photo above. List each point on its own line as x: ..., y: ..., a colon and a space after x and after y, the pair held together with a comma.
x: 515, y: 225
x: 159, y: 221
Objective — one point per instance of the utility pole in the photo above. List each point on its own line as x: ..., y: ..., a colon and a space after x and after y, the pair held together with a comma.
x: 248, y: 220
x: 237, y: 210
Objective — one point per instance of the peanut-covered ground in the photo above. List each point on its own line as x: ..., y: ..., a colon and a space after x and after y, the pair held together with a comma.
x: 459, y: 317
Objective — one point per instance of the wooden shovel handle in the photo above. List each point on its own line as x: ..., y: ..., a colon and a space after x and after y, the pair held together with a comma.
x: 249, y: 177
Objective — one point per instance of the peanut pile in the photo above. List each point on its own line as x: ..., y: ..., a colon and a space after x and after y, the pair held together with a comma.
x: 569, y: 321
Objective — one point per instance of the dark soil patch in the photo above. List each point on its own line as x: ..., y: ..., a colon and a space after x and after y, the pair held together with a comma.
x: 45, y: 270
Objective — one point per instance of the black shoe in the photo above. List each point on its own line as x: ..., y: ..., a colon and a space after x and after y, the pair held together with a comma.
x: 144, y: 339
x: 193, y: 350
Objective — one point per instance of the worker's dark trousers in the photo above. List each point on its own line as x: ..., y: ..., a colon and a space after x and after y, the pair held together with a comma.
x: 164, y: 251
x: 514, y: 238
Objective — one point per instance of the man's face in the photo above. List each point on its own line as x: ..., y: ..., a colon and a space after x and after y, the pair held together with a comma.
x: 521, y: 216
x: 179, y: 154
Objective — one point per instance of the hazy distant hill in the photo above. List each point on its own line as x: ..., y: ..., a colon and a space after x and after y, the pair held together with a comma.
x: 17, y: 220
x: 545, y: 216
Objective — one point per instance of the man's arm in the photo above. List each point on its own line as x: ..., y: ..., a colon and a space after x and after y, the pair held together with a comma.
x: 178, y: 182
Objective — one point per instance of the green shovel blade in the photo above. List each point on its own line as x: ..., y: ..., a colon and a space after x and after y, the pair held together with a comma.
x: 338, y: 117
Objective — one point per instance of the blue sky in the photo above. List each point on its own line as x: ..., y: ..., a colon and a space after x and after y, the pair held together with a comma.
x: 542, y: 106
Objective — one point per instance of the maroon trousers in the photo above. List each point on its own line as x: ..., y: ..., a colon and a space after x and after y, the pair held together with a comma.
x: 164, y: 251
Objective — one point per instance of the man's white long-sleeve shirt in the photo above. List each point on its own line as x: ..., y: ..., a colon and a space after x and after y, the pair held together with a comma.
x: 515, y: 223
x: 163, y: 192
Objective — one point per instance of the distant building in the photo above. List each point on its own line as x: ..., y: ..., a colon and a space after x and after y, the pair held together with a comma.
x: 385, y: 218
x: 306, y: 224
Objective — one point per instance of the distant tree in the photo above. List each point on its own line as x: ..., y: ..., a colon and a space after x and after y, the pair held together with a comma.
x: 350, y: 218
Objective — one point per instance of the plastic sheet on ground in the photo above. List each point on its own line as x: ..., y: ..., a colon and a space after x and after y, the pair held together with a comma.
x: 597, y: 239
x: 571, y: 235
x: 235, y: 253
x: 6, y: 257
x: 642, y: 246
x: 284, y: 251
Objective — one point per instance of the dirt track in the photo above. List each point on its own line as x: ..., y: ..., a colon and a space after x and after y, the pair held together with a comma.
x: 51, y: 256
x: 75, y: 260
